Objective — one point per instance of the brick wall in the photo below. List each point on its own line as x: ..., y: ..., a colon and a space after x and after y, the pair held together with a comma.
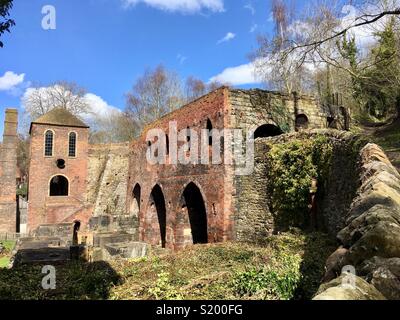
x: 44, y: 209
x: 173, y: 179
x: 218, y: 185
x: 8, y: 165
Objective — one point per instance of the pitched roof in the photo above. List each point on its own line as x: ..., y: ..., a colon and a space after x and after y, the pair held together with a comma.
x: 60, y: 117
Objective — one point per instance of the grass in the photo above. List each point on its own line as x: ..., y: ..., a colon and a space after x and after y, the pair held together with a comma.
x: 4, y: 261
x: 8, y: 244
x: 5, y: 256
x: 288, y: 266
x: 388, y: 137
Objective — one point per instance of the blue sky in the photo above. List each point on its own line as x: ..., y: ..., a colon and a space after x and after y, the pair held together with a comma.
x: 105, y: 45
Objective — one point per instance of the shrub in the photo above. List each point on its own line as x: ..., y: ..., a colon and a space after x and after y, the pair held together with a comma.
x: 292, y: 166
x: 163, y: 289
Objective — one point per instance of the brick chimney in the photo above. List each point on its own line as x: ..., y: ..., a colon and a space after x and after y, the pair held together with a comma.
x: 8, y: 165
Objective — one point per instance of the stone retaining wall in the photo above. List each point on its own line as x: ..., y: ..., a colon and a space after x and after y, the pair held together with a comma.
x: 370, y: 242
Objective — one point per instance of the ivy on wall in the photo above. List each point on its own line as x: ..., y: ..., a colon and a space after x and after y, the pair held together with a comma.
x: 292, y: 166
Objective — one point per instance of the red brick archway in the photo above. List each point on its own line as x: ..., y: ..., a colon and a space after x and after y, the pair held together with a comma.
x: 191, y: 220
x: 156, y: 218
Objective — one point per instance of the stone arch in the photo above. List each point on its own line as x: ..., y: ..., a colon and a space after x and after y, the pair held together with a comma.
x: 194, y: 214
x: 135, y: 201
x: 59, y: 186
x: 301, y: 121
x: 267, y: 130
x: 156, y: 216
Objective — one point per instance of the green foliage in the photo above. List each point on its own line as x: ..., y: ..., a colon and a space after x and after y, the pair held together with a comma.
x: 75, y: 280
x: 22, y: 191
x: 292, y: 166
x: 269, y: 282
x: 8, y: 245
x: 288, y: 266
x: 5, y: 22
x: 163, y: 289
x: 4, y: 262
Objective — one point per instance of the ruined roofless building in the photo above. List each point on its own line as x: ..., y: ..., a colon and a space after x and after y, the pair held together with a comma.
x: 113, y: 188
x: 178, y: 204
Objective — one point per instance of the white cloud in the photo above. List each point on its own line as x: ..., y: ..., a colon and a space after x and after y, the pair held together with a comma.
x: 98, y: 106
x: 228, y: 37
x: 239, y: 75
x: 181, y: 58
x: 183, y: 6
x: 253, y: 28
x: 250, y: 7
x: 11, y: 80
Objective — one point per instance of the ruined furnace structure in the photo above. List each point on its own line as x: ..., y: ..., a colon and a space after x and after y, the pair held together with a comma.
x: 114, y: 190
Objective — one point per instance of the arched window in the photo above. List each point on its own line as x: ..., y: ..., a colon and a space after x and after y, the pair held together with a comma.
x: 209, y: 128
x: 59, y: 186
x: 48, y: 143
x: 72, y: 145
x: 188, y: 136
x: 167, y: 144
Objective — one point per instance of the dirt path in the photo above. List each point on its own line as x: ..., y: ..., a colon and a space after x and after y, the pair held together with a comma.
x: 388, y: 137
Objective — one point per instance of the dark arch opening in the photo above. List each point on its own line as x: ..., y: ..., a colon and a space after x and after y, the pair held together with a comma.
x: 59, y: 186
x: 167, y: 144
x: 77, y: 226
x: 267, y: 130
x: 135, y: 205
x: 209, y: 128
x: 301, y: 121
x: 157, y: 199
x: 197, y: 213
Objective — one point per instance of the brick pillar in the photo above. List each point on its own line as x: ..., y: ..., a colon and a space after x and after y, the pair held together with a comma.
x: 8, y: 166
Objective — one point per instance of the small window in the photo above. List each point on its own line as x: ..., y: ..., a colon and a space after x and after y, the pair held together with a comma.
x: 209, y: 128
x: 48, y: 143
x: 72, y: 145
x: 188, y: 136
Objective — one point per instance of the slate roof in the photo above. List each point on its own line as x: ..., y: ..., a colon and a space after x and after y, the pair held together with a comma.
x: 60, y: 117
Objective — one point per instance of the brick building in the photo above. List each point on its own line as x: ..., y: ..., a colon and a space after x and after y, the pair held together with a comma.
x: 180, y: 204
x: 115, y: 189
x: 57, y: 169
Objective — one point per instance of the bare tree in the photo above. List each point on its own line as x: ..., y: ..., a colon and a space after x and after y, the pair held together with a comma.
x: 40, y: 100
x: 315, y: 38
x: 115, y: 127
x: 283, y: 74
x: 157, y: 92
x: 195, y: 88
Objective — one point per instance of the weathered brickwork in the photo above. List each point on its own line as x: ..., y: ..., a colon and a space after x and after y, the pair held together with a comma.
x: 162, y: 195
x: 8, y: 165
x: 172, y: 180
x: 46, y: 209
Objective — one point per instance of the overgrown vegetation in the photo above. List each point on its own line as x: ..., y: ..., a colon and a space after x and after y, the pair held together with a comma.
x: 292, y: 166
x: 288, y: 266
x: 6, y: 246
